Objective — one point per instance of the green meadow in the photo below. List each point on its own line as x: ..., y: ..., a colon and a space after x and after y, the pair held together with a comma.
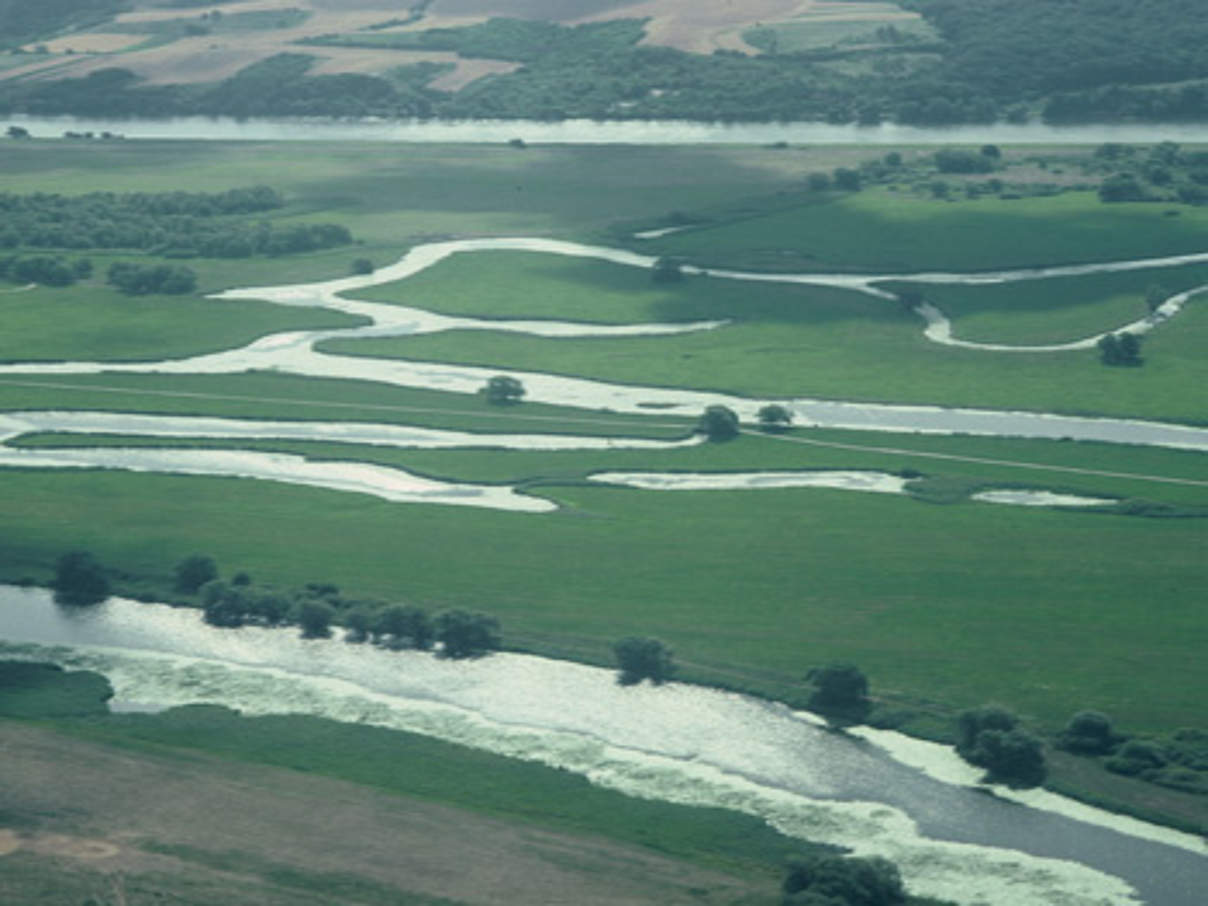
x: 880, y: 230
x: 943, y: 601
x: 91, y: 321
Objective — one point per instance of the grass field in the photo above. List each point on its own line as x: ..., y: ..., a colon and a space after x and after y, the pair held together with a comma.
x: 1056, y: 310
x: 1048, y: 611
x: 868, y: 350
x: 90, y: 321
x: 882, y: 231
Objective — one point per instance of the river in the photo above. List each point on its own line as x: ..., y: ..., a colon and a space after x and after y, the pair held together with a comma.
x: 614, y: 132
x: 681, y: 743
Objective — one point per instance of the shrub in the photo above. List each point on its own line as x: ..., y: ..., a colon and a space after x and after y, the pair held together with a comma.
x: 79, y: 580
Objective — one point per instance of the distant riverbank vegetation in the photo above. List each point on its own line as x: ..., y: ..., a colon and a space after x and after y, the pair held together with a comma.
x: 963, y: 62
x: 174, y: 224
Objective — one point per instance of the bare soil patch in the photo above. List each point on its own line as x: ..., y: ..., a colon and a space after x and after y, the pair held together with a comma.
x: 86, y: 797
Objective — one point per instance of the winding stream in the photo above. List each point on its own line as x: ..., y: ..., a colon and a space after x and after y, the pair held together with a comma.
x: 293, y: 352
x: 679, y: 743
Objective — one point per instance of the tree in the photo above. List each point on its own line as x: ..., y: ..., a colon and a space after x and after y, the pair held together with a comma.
x: 194, y: 572
x: 18, y: 132
x: 362, y: 266
x: 1088, y: 733
x: 79, y: 580
x: 315, y: 618
x: 1155, y: 295
x: 357, y: 622
x: 988, y: 737
x: 503, y: 390
x: 1122, y: 348
x: 774, y: 417
x: 718, y: 423
x: 403, y: 626
x: 840, y: 689
x: 642, y: 658
x: 465, y: 634
x: 843, y: 881
x: 224, y: 605
x: 667, y: 270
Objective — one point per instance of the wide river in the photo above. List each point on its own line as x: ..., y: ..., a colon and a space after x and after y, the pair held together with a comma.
x: 613, y: 132
x: 680, y: 743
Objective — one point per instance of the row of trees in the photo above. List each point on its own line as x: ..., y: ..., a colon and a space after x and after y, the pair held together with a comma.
x: 178, y: 224
x: 317, y: 607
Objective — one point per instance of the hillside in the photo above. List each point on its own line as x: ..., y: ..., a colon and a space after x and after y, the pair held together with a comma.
x: 928, y: 62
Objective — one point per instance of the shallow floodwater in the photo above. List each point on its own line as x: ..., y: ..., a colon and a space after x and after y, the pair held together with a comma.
x: 678, y: 742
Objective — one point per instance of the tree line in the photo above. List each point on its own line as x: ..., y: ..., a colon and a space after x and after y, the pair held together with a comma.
x: 176, y: 224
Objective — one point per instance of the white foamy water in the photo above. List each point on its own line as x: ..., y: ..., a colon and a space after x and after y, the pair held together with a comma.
x: 677, y: 743
x: 878, y: 482
x: 392, y: 484
x: 1039, y: 498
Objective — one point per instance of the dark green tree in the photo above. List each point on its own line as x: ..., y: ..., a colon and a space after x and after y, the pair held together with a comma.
x: 362, y: 266
x: 989, y: 738
x: 1122, y: 348
x: 465, y: 634
x: 642, y: 658
x: 503, y: 390
x: 718, y: 423
x: 840, y: 689
x: 79, y: 580
x: 224, y: 605
x: 843, y: 881
x: 314, y: 616
x: 1088, y: 733
x: 667, y: 270
x: 403, y: 626
x: 774, y: 417
x: 194, y: 572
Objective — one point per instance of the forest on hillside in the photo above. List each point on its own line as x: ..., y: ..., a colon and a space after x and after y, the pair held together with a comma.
x: 985, y: 60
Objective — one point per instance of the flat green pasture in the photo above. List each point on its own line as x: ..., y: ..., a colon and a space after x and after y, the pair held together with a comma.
x: 1056, y: 309
x: 395, y: 194
x: 1039, y: 609
x: 866, y: 350
x: 882, y: 231
x: 266, y: 395
x: 501, y: 284
x: 963, y: 464
x: 91, y: 322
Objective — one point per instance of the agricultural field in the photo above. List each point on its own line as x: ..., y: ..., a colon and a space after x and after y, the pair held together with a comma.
x: 946, y: 599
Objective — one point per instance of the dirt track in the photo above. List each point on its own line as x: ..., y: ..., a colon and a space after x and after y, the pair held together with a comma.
x: 89, y: 811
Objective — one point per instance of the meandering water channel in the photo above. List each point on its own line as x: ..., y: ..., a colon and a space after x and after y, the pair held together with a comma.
x: 679, y: 743
x: 950, y: 841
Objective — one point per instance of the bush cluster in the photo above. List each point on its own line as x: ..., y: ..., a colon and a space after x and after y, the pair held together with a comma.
x: 141, y: 279
x: 989, y: 737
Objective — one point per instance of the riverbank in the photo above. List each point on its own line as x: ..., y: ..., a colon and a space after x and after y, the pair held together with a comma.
x: 652, y: 742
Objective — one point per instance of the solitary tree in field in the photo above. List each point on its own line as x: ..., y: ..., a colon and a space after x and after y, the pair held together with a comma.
x: 503, y: 390
x: 79, y: 580
x: 774, y: 417
x: 718, y: 423
x: 1122, y: 348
